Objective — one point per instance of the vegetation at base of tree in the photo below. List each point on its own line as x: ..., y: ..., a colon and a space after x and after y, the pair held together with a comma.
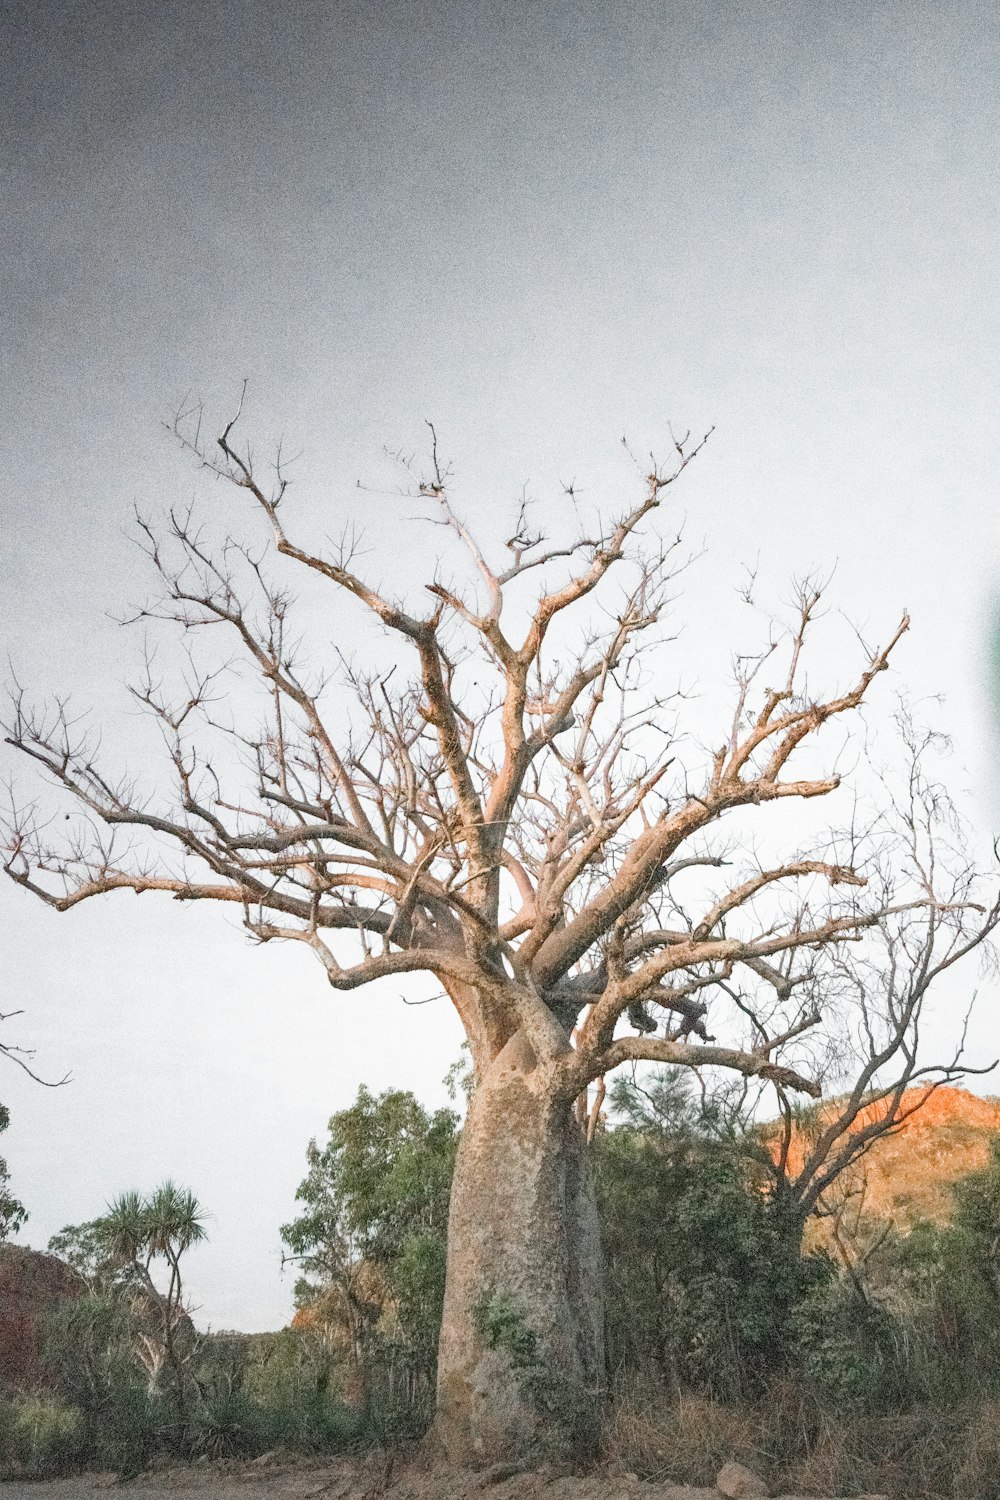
x: 703, y: 1271
x: 877, y: 1372
x: 726, y: 1339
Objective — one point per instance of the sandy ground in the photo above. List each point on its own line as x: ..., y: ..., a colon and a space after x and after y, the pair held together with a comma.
x: 272, y: 1479
x: 346, y: 1482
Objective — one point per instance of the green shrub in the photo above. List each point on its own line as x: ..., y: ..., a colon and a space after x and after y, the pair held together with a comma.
x: 129, y: 1429
x: 6, y: 1435
x: 270, y: 1390
x: 87, y: 1348
x: 847, y: 1347
x: 45, y: 1436
x: 702, y: 1271
x: 229, y: 1425
x: 316, y: 1423
x: 372, y: 1232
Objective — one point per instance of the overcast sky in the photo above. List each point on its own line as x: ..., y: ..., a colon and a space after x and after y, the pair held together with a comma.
x: 542, y: 226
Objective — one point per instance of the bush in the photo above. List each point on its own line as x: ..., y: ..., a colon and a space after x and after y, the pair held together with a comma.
x: 702, y: 1271
x: 250, y: 1394
x: 725, y: 1341
x: 44, y: 1436
x: 229, y: 1425
x: 847, y: 1347
x: 372, y: 1232
x: 269, y: 1390
x: 87, y: 1348
x: 88, y: 1353
x: 128, y: 1429
x: 6, y: 1435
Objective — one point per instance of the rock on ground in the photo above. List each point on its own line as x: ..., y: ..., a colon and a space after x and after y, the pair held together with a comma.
x: 737, y: 1482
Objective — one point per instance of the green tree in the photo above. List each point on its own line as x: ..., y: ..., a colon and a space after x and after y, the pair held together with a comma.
x: 947, y: 1276
x: 85, y: 1248
x: 372, y: 1236
x: 12, y: 1211
x: 702, y: 1276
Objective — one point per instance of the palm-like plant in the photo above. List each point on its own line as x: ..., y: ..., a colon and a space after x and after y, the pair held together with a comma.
x: 136, y: 1232
x: 122, y: 1231
x: 173, y: 1220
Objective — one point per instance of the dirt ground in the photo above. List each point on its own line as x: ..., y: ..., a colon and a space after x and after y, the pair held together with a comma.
x: 276, y: 1479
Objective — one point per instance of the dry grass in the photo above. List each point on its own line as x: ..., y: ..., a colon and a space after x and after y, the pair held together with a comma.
x: 800, y: 1448
x: 685, y: 1440
x: 978, y: 1471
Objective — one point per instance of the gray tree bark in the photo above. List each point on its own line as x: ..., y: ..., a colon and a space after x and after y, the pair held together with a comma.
x: 521, y: 1362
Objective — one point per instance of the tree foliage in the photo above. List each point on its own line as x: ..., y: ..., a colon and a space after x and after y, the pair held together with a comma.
x: 708, y: 1289
x: 709, y: 1297
x: 12, y: 1212
x: 371, y: 1238
x: 702, y: 1271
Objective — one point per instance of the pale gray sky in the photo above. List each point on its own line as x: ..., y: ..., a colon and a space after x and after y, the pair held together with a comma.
x: 541, y: 226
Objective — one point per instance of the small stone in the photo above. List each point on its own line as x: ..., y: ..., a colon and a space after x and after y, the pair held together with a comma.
x: 497, y: 1473
x: 737, y: 1482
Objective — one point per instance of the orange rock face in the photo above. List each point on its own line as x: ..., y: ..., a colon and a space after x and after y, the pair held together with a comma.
x: 30, y: 1284
x: 908, y: 1175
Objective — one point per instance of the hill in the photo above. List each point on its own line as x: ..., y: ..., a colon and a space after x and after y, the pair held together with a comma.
x: 31, y: 1283
x: 907, y: 1175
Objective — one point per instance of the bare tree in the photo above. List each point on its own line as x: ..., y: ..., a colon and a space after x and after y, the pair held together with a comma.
x: 507, y: 810
x: 879, y: 991
x: 20, y: 1055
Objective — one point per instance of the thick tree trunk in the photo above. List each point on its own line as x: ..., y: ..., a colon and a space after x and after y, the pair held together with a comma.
x: 521, y: 1362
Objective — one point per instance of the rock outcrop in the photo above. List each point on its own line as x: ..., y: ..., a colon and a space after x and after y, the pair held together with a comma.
x: 908, y: 1174
x: 30, y: 1284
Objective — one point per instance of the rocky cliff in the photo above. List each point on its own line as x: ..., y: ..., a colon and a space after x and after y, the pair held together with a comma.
x: 30, y: 1284
x: 907, y: 1175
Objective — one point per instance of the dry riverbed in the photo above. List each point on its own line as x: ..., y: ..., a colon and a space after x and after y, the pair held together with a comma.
x: 273, y: 1478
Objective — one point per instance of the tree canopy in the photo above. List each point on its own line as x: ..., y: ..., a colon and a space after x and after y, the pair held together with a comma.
x: 512, y: 808
x: 515, y: 808
x: 372, y: 1232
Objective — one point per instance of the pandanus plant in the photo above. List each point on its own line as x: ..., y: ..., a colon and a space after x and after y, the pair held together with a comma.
x: 137, y: 1232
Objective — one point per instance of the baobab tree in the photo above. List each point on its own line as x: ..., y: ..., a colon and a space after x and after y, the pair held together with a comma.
x: 512, y: 811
